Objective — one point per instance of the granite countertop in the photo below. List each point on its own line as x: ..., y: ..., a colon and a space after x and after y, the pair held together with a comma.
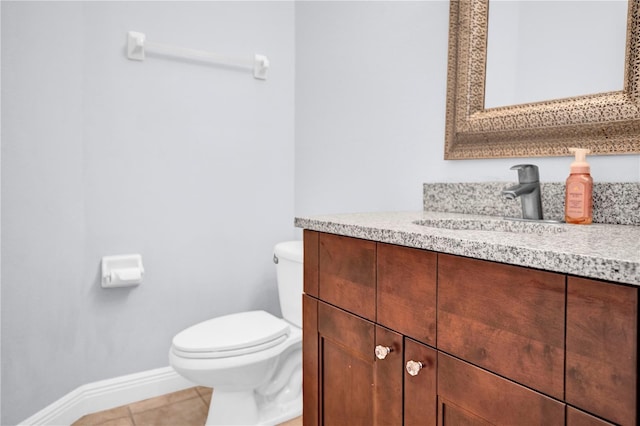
x: 600, y: 251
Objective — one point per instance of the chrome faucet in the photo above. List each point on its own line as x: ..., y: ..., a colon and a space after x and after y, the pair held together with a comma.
x: 528, y: 189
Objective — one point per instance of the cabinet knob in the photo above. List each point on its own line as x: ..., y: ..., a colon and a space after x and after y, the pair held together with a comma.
x: 382, y: 351
x: 414, y: 367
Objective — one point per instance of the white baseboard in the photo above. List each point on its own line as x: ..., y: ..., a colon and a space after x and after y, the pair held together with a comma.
x: 107, y: 394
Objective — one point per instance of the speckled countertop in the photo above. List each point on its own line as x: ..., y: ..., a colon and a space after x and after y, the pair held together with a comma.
x: 600, y: 251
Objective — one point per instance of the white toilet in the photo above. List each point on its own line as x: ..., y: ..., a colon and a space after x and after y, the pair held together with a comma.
x: 253, y: 360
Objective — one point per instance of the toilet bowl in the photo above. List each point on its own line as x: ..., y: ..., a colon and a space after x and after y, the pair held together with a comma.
x: 253, y: 359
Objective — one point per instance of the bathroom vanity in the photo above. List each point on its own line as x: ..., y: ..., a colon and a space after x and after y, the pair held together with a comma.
x: 455, y: 323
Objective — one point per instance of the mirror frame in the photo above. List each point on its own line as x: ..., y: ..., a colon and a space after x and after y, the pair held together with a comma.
x: 605, y: 123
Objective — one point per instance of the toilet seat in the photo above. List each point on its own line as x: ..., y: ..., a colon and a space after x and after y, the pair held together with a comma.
x: 231, y: 335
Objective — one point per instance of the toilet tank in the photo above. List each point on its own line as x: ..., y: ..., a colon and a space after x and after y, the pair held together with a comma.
x: 289, y: 271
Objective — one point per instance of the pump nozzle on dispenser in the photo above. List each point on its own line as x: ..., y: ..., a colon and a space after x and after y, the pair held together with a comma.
x: 580, y: 164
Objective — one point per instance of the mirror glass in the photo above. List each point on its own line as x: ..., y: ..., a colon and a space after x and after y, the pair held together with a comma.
x: 542, y: 50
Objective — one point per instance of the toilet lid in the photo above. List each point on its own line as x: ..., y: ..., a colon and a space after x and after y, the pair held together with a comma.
x: 231, y: 335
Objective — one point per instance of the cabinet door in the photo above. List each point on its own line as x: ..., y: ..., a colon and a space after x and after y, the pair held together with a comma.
x: 343, y: 381
x: 406, y: 296
x: 346, y: 364
x: 602, y: 344
x: 388, y: 378
x: 504, y: 318
x: 347, y: 274
x: 468, y: 395
x: 420, y: 407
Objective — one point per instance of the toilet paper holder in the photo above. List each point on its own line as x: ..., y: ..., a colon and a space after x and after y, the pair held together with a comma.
x: 124, y: 270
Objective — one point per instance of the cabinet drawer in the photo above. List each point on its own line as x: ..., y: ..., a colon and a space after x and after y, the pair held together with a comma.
x: 406, y: 296
x: 470, y: 395
x: 504, y: 318
x: 347, y: 274
x: 602, y: 333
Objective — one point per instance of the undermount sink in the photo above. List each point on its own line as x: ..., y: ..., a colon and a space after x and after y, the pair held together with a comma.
x: 500, y: 225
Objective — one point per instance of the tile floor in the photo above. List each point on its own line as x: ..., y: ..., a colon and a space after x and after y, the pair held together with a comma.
x: 188, y: 407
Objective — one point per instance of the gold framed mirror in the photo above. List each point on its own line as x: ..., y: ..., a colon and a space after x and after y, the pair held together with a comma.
x: 605, y: 123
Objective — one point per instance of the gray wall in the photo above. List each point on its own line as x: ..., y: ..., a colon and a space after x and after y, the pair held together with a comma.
x: 189, y: 164
x: 370, y: 110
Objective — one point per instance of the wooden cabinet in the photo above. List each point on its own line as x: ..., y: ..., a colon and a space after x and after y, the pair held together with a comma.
x: 420, y: 390
x: 580, y: 418
x: 340, y: 370
x: 387, y: 407
x: 345, y: 342
x: 490, y: 343
x: 602, y: 336
x: 358, y: 388
x: 470, y: 395
x: 505, y: 318
x: 349, y: 284
x: 406, y: 292
x: 347, y: 274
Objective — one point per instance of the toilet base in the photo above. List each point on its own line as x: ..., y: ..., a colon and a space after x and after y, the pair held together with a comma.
x: 241, y: 408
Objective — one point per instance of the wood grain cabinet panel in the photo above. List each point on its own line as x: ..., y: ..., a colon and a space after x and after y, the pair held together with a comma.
x: 347, y: 274
x: 310, y: 369
x: 580, y: 418
x: 388, y: 379
x: 507, y: 319
x: 420, y: 390
x: 472, y: 396
x: 346, y: 366
x: 602, y: 345
x: 344, y: 383
x: 406, y: 294
x: 311, y: 244
x: 449, y: 414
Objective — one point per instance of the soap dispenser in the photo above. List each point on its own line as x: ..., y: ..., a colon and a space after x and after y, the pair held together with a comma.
x: 578, y: 203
